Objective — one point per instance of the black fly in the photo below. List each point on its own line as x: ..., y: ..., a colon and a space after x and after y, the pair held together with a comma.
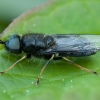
x: 52, y: 47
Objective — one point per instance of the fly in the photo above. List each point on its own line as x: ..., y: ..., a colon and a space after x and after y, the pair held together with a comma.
x: 52, y: 47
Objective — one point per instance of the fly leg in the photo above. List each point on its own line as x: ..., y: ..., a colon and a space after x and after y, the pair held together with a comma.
x: 82, y: 68
x: 38, y: 80
x: 13, y: 65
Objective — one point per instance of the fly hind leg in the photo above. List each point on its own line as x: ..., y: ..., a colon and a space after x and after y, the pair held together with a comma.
x: 82, y: 68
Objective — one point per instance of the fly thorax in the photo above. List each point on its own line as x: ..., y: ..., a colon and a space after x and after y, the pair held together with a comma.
x: 49, y: 41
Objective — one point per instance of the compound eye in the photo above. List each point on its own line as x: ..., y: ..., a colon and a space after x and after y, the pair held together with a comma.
x: 13, y: 44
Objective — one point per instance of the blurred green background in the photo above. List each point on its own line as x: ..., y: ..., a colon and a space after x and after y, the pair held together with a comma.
x: 58, y: 82
x: 10, y: 9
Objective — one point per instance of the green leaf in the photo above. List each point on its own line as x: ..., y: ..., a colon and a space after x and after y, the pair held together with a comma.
x: 60, y: 80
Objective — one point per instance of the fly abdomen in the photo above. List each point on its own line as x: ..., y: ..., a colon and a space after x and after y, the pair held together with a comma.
x: 78, y: 54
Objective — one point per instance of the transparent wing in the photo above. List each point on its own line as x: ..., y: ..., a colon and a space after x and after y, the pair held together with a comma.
x: 74, y: 43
